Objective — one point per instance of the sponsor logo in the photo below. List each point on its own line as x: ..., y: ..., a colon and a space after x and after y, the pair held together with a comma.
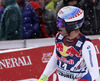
x: 15, y: 62
x: 65, y: 60
x: 46, y: 57
x: 67, y: 75
x: 67, y: 51
x: 78, y: 44
x: 90, y: 55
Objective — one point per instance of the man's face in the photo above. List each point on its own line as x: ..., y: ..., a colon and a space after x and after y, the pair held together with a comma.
x: 61, y: 26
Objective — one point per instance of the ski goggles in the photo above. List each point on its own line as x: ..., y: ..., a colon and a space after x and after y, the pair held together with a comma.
x: 60, y: 22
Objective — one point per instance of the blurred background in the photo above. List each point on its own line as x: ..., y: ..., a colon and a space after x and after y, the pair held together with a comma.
x: 37, y: 18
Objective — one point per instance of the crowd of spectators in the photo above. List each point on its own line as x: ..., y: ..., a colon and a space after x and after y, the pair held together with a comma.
x: 29, y: 19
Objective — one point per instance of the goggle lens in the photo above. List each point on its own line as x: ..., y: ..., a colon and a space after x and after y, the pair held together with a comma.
x: 60, y: 22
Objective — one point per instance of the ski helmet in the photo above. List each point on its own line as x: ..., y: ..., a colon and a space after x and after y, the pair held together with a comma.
x: 70, y: 17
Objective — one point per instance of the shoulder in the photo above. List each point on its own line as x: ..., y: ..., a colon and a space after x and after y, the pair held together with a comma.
x: 83, y: 38
x: 87, y: 42
x: 12, y: 8
x: 88, y: 45
x: 58, y: 37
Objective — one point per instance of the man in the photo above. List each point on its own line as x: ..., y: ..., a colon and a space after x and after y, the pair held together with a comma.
x: 10, y: 20
x: 30, y: 20
x: 74, y: 55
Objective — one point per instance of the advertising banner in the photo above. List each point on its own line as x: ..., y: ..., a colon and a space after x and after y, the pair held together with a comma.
x: 22, y: 65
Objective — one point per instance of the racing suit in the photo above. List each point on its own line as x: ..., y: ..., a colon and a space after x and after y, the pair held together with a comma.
x: 75, y: 60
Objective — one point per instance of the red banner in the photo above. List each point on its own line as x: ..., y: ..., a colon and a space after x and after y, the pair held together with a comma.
x: 24, y: 64
x: 29, y: 63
